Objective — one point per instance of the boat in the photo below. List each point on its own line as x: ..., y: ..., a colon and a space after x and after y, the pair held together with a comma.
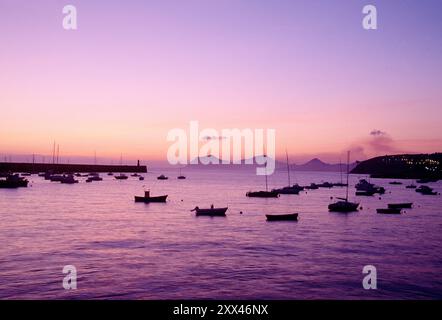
x: 121, y: 176
x: 339, y: 184
x: 162, y: 177
x: 134, y: 175
x: 56, y: 177
x: 181, y: 177
x: 325, y: 185
x: 68, y: 179
x: 95, y: 178
x: 13, y: 181
x: 110, y: 173
x: 295, y: 189
x: 343, y: 205
x: 141, y: 178
x: 425, y: 190
x: 263, y: 194
x: 400, y: 205
x: 312, y: 186
x: 26, y: 174
x: 147, y: 198
x: 282, y: 217
x: 390, y: 211
x: 395, y: 183
x: 212, y: 211
x: 364, y: 185
x: 365, y: 193
x: 411, y: 186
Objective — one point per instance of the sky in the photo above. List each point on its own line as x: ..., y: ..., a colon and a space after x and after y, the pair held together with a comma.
x: 133, y: 70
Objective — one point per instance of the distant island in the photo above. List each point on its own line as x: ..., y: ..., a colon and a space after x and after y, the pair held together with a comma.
x: 312, y: 165
x: 403, y: 166
x: 318, y: 165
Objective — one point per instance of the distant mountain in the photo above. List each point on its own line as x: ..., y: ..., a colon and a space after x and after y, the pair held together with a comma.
x: 312, y: 165
x: 318, y: 165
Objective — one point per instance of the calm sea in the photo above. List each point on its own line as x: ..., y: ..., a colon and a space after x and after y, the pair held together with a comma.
x: 127, y: 250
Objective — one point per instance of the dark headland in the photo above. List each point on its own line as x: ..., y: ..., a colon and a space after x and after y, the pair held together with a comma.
x: 67, y: 168
x: 403, y: 166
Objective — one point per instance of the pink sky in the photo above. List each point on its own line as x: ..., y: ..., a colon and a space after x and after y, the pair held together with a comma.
x: 131, y: 72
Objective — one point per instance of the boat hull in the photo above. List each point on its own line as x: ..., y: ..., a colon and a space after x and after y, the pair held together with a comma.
x: 151, y: 199
x: 389, y: 211
x: 282, y: 217
x: 262, y: 194
x: 400, y: 205
x: 365, y: 193
x: 344, y: 208
x: 215, y: 212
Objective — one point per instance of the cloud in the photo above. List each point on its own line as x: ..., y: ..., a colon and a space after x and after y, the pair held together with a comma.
x: 377, y: 133
x: 378, y: 143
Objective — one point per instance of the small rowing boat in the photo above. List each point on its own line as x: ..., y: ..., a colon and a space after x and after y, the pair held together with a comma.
x: 282, y: 217
x: 389, y: 211
x: 400, y: 205
x: 212, y: 211
x: 147, y: 198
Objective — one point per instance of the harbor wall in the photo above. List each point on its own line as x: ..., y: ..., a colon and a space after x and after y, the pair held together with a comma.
x: 67, y: 168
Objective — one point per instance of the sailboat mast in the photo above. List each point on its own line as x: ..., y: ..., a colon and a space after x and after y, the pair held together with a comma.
x: 340, y: 169
x: 348, y: 169
x: 267, y: 188
x: 288, y: 167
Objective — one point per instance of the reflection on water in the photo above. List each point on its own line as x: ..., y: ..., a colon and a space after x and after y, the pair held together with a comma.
x: 127, y: 250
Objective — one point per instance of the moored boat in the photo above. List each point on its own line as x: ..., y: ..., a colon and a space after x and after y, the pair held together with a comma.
x: 212, y: 211
x: 400, y: 205
x: 282, y: 217
x: 262, y: 194
x: 325, y: 185
x: 364, y: 185
x: 343, y: 205
x: 389, y: 211
x: 181, y: 177
x: 425, y: 190
x: 121, y: 176
x: 288, y: 190
x: 68, y: 179
x: 162, y: 177
x: 312, y: 186
x: 13, y: 181
x: 365, y: 193
x: 147, y: 198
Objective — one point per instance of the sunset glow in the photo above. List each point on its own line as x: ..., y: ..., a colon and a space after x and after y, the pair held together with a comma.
x: 128, y: 75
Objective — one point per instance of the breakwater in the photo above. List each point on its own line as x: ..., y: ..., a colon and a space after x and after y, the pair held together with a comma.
x: 67, y: 168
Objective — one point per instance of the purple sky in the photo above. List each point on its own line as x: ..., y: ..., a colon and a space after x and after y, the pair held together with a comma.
x: 136, y: 69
